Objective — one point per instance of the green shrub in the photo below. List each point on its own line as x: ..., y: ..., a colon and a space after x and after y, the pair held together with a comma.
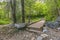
x: 4, y: 22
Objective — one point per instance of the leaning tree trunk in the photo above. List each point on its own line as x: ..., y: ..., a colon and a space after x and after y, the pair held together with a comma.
x: 13, y: 10
x: 23, y: 14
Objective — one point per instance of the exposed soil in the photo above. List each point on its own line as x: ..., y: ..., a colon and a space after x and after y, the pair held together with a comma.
x: 53, y: 34
x: 11, y: 33
x: 7, y: 32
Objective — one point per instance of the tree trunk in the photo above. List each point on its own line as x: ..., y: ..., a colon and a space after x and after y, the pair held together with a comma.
x: 13, y: 9
x: 23, y: 14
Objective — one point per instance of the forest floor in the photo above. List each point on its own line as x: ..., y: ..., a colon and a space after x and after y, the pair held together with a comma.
x: 12, y: 33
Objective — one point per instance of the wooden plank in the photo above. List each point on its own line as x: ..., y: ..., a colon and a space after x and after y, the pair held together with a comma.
x: 37, y: 25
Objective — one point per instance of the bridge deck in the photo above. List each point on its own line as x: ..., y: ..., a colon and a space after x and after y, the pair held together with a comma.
x: 37, y: 25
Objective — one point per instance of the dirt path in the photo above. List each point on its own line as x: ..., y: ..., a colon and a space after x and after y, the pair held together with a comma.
x: 11, y: 33
x: 24, y: 35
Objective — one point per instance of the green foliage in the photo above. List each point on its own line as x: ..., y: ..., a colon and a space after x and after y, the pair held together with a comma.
x: 48, y: 9
x: 3, y: 14
x: 52, y: 11
x: 4, y: 21
x: 33, y: 9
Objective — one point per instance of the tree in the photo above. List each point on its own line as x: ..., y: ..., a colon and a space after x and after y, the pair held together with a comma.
x: 13, y: 9
x: 23, y: 14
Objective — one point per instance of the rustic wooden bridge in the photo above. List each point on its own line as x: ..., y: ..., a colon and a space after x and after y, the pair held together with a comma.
x: 36, y: 26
